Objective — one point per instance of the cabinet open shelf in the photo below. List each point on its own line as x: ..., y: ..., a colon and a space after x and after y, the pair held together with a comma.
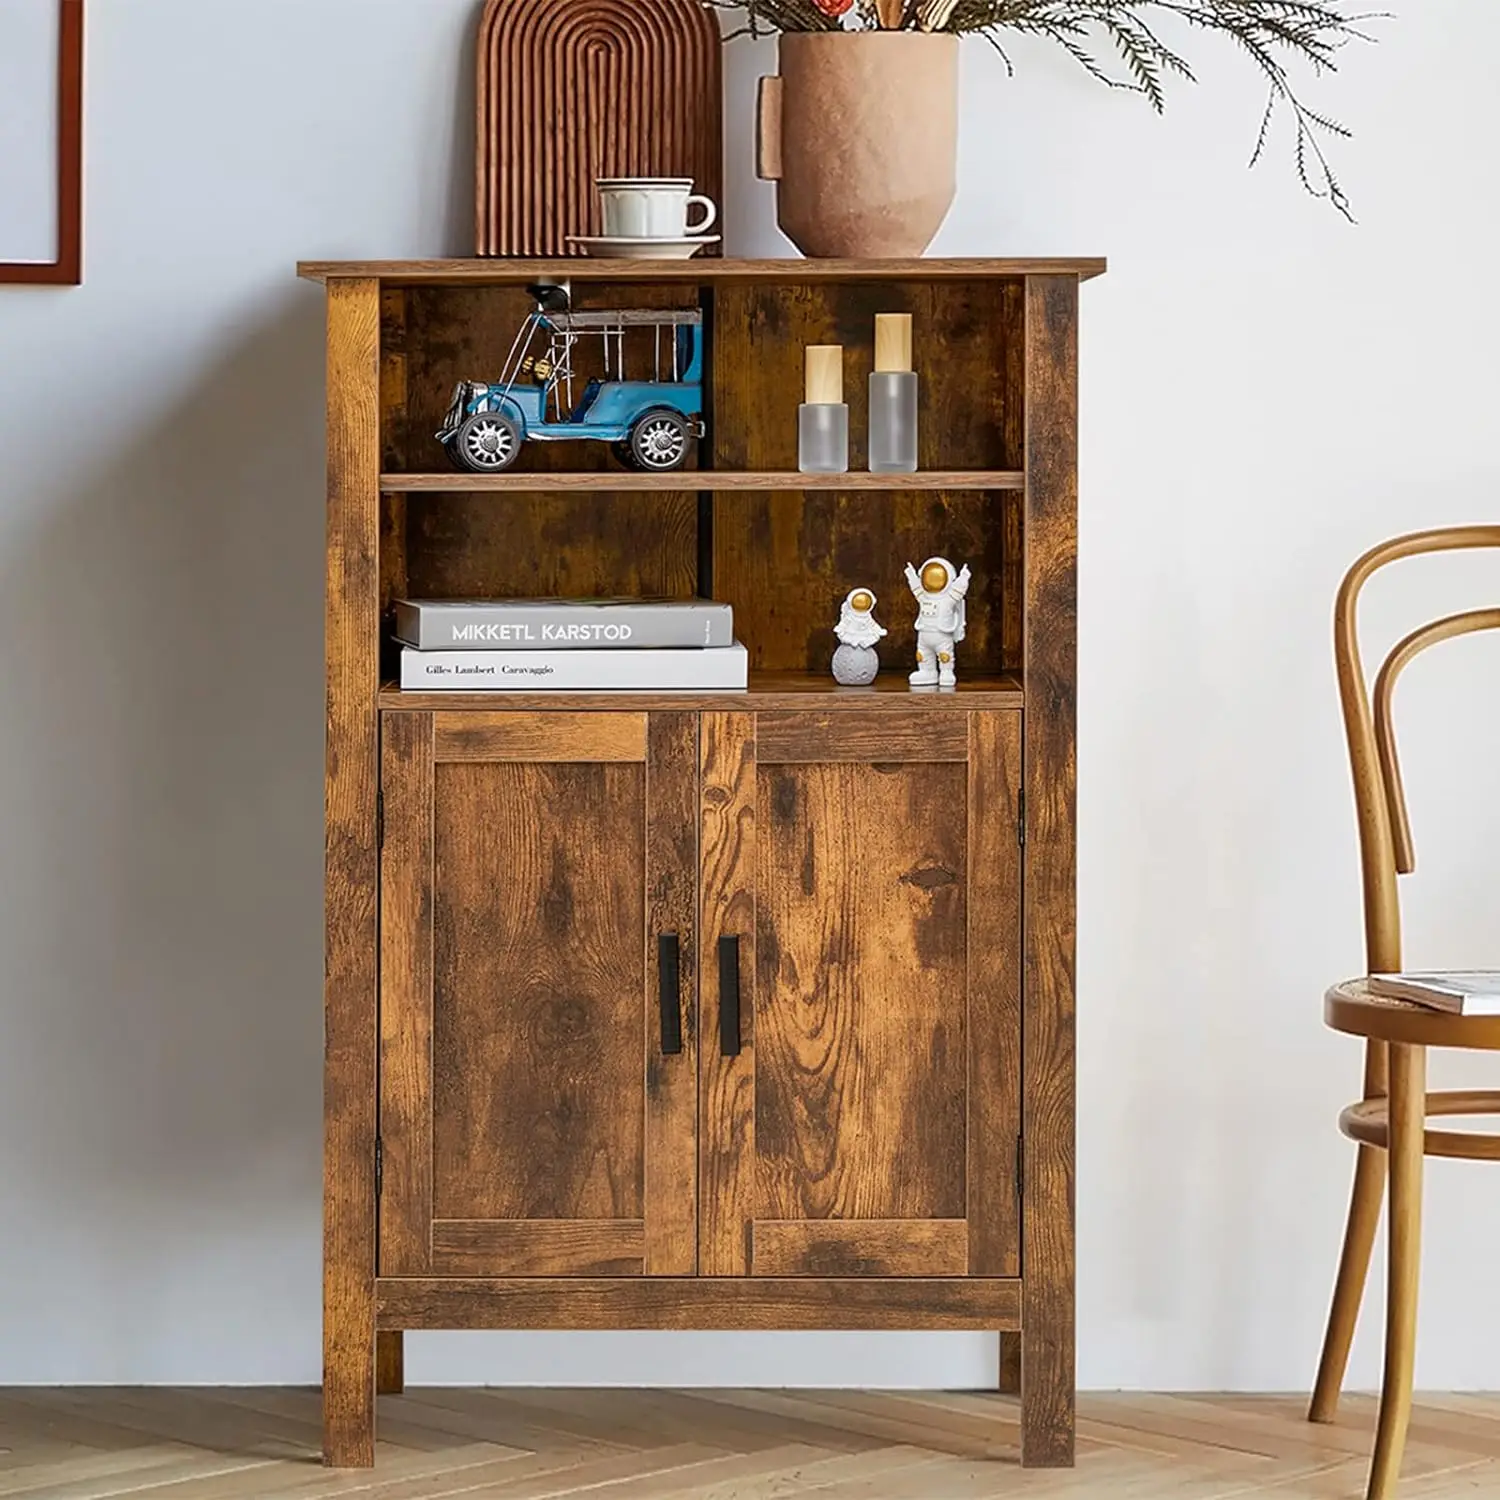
x: 803, y: 691
x: 704, y: 480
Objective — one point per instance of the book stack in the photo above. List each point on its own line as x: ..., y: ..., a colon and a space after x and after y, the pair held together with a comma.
x: 569, y: 646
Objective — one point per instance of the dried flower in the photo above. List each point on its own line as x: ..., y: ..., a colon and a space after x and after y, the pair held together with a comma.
x: 834, y: 7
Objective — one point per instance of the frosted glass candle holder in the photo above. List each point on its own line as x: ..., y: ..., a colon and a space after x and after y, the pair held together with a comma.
x: 823, y: 437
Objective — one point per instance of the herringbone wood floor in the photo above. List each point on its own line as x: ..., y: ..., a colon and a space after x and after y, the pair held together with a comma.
x: 718, y: 1445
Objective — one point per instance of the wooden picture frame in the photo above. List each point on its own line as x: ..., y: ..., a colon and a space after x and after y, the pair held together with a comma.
x: 67, y: 268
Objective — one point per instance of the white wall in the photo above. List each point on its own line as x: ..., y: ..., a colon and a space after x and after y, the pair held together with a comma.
x: 1267, y: 391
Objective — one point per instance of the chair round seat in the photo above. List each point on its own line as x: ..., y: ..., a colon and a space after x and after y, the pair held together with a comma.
x: 1351, y: 1008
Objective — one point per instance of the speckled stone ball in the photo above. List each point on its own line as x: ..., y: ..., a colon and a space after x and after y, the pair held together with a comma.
x: 855, y: 666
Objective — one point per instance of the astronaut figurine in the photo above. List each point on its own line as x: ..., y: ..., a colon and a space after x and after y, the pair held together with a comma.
x: 855, y: 663
x: 940, y: 619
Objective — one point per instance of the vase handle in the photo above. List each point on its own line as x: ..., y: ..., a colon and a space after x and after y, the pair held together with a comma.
x: 768, y: 130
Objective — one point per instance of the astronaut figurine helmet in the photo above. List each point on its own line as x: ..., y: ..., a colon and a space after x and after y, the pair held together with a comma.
x: 937, y: 574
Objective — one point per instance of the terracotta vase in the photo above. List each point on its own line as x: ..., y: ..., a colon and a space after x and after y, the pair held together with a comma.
x: 860, y: 133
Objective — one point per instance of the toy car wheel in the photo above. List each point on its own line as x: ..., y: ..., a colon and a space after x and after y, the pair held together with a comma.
x: 487, y: 443
x: 659, y: 441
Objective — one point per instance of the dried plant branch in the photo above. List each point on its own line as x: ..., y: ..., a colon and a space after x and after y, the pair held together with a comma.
x: 1276, y: 35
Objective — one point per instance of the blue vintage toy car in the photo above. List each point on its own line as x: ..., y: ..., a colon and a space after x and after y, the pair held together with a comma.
x: 649, y: 423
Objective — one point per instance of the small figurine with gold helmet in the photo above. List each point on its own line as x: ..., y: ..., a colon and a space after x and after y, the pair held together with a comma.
x: 855, y: 663
x: 941, y: 615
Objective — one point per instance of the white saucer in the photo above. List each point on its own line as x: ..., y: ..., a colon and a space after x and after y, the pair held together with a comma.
x: 622, y: 249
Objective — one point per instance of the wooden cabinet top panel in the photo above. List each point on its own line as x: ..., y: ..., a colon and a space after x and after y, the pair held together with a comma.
x: 789, y: 269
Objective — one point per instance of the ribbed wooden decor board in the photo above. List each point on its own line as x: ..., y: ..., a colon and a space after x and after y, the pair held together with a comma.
x: 572, y: 90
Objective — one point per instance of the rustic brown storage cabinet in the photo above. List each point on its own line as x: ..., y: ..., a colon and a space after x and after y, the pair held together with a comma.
x: 866, y: 896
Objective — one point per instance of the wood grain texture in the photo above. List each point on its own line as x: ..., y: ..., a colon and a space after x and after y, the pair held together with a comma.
x: 406, y: 979
x: 722, y: 1444
x: 994, y: 1002
x: 66, y: 268
x: 671, y: 1166
x: 889, y: 696
x: 789, y: 738
x: 863, y: 1247
x: 574, y: 90
x: 350, y: 876
x: 539, y: 1247
x: 726, y: 1090
x: 860, y: 1060
x: 539, y: 989
x: 725, y: 1302
x: 562, y: 738
x: 390, y: 1362
x: 784, y: 559
x: 707, y: 479
x: 786, y: 269
x: 1047, y: 1391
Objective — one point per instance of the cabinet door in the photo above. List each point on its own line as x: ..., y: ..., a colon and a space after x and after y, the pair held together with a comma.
x: 861, y: 1049
x: 538, y: 1047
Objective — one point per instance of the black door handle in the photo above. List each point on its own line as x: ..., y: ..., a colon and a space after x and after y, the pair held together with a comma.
x: 669, y: 991
x: 729, y: 996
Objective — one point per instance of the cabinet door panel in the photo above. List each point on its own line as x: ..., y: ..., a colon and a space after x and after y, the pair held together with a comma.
x: 538, y: 920
x: 860, y: 954
x: 530, y: 1124
x: 869, y: 1124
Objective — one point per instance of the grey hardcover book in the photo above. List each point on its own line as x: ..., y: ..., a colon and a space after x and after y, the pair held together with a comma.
x: 561, y: 624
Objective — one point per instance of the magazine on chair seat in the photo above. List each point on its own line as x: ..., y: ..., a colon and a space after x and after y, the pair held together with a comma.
x: 1463, y: 992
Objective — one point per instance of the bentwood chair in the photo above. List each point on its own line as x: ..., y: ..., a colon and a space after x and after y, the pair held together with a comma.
x: 1391, y: 1118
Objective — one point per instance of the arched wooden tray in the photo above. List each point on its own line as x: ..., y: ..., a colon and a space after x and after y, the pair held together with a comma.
x: 571, y: 90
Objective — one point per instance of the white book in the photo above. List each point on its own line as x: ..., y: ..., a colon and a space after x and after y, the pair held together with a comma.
x: 711, y: 669
x: 1465, y: 992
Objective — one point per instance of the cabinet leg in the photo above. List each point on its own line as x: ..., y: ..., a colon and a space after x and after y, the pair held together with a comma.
x: 349, y: 1386
x: 1010, y: 1364
x: 1047, y: 1401
x: 390, y: 1365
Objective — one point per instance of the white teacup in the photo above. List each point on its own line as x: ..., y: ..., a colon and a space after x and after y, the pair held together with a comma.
x: 652, y: 208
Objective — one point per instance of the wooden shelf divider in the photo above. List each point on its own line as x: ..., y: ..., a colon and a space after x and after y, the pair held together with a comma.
x: 702, y: 479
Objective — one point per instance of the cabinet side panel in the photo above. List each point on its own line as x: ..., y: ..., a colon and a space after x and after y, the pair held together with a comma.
x: 351, y: 937
x: 671, y: 1242
x: 539, y: 979
x: 1047, y: 1390
x: 406, y: 996
x: 994, y: 993
x: 726, y: 1144
x: 861, y: 1057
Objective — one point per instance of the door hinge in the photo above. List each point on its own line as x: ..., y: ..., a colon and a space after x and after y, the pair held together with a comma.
x: 379, y: 1165
x: 1020, y: 1167
x: 380, y: 820
x: 1021, y: 819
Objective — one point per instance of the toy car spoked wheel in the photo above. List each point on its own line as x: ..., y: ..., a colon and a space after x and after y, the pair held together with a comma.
x: 487, y: 443
x: 659, y: 441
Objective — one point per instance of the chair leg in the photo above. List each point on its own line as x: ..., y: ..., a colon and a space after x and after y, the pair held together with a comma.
x: 1408, y: 1127
x: 1349, y: 1289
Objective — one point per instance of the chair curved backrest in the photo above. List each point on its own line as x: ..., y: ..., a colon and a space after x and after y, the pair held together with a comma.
x: 1385, y: 841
